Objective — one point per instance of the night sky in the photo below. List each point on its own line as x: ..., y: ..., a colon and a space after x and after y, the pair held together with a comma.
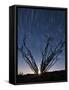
x: 39, y: 25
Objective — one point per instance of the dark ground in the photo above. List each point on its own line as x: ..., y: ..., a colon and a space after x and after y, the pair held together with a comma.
x: 56, y: 76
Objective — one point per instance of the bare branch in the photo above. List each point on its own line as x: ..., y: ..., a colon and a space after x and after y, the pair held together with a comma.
x: 27, y: 55
x: 48, y: 62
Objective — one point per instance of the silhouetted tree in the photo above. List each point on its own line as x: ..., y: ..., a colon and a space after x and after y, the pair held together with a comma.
x: 49, y: 60
x: 27, y: 56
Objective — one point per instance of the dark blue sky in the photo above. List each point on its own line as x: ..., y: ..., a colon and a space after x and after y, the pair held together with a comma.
x: 39, y: 25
